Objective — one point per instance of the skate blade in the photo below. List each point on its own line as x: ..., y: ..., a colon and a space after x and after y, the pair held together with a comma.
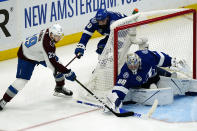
x: 61, y: 95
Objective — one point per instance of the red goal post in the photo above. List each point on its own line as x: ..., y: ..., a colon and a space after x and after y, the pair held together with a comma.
x: 148, y: 21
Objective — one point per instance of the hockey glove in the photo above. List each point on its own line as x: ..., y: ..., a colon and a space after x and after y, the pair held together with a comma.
x: 70, y: 75
x: 79, y: 51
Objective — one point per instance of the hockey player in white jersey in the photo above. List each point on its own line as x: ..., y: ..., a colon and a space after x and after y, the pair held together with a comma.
x: 141, y: 71
x: 39, y: 50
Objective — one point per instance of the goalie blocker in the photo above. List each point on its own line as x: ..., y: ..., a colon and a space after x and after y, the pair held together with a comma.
x: 167, y: 88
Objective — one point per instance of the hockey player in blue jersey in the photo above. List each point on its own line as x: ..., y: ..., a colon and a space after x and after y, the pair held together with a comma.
x: 141, y: 70
x: 101, y: 22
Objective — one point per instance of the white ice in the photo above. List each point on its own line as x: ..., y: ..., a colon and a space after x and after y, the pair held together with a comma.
x: 36, y: 109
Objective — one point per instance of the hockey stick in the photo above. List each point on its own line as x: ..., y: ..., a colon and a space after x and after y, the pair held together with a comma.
x: 57, y: 73
x: 80, y: 101
x: 88, y: 103
x: 124, y: 112
x: 71, y: 61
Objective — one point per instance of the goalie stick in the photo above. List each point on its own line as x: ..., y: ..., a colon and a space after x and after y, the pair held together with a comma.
x: 124, y: 113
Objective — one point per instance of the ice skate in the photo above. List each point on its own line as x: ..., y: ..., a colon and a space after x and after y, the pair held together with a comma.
x: 62, y: 92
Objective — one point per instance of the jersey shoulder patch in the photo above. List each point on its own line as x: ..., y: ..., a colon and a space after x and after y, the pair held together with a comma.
x: 93, y: 20
x: 126, y: 75
x: 145, y: 51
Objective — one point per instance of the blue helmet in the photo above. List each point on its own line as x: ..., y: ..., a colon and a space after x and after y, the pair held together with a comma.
x: 101, y: 14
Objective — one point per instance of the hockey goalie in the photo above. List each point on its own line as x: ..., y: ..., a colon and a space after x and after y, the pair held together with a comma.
x: 142, y: 80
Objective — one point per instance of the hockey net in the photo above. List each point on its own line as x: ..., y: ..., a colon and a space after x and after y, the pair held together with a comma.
x: 171, y: 31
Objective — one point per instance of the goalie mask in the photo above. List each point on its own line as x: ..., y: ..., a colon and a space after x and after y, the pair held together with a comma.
x: 133, y: 62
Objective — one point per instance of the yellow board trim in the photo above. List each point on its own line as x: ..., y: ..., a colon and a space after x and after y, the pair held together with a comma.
x: 69, y: 39
x: 8, y: 54
x: 194, y: 6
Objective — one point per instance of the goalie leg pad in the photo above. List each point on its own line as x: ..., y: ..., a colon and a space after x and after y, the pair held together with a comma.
x: 179, y: 86
x: 147, y: 96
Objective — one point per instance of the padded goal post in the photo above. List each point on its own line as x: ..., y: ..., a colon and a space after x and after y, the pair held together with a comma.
x: 172, y: 31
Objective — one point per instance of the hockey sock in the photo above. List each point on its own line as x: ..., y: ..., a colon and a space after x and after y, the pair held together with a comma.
x: 10, y: 93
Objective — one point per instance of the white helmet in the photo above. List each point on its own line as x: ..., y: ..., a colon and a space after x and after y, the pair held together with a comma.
x: 133, y: 62
x: 56, y: 29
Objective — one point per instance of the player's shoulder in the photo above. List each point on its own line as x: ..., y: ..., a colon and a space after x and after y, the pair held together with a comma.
x: 145, y: 55
x: 47, y: 40
x: 93, y: 20
x: 143, y: 52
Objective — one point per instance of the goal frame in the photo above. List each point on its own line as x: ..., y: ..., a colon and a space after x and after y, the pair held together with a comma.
x: 193, y: 11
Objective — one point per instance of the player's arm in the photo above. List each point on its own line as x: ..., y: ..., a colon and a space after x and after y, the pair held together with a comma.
x: 87, y: 34
x: 120, y: 90
x: 162, y: 59
x: 175, y: 64
x: 51, y: 59
x: 53, y: 63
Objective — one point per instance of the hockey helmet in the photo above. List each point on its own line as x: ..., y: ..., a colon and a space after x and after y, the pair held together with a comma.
x: 56, y: 30
x: 133, y: 62
x: 101, y: 14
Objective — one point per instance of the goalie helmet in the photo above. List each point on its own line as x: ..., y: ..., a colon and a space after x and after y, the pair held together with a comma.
x: 101, y: 14
x: 133, y: 62
x: 56, y: 30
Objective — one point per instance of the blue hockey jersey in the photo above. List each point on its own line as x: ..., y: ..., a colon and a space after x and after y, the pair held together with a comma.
x: 92, y: 26
x: 150, y: 60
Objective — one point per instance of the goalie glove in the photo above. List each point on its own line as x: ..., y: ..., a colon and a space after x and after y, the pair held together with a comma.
x: 178, y: 63
x: 180, y: 66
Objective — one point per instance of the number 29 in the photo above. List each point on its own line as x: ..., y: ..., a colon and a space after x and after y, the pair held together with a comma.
x: 30, y: 41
